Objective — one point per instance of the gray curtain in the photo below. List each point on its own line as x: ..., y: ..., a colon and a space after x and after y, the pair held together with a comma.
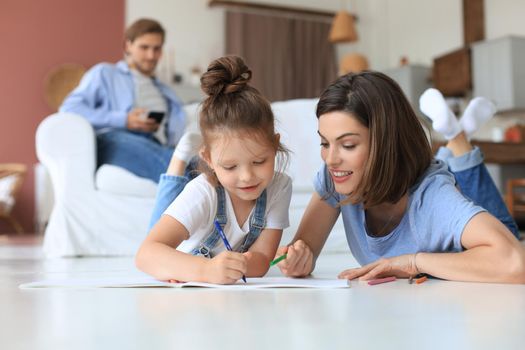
x: 290, y: 57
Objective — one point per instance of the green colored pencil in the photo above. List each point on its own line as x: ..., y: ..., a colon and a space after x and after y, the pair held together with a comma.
x: 276, y: 261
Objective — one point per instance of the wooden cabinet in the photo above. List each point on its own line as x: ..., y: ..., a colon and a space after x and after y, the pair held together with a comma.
x: 499, y: 71
x: 502, y: 153
x: 451, y: 73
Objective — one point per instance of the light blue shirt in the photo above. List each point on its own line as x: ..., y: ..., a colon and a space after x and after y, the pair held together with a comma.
x: 434, y: 220
x: 106, y: 94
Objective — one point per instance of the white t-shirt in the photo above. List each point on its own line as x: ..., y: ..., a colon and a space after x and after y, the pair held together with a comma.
x: 149, y: 97
x: 196, y: 206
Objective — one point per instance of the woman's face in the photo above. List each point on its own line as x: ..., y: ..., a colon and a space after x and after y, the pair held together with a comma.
x: 345, y: 146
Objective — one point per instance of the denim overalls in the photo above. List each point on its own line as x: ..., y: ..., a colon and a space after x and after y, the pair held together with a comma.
x: 171, y: 186
x: 257, y: 223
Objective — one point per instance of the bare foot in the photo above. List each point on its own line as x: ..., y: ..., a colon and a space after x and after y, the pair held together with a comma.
x: 459, y: 145
x: 176, y: 166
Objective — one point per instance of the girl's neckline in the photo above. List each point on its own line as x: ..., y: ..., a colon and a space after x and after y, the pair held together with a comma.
x: 245, y: 217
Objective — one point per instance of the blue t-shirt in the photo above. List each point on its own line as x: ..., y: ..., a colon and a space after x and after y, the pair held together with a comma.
x: 434, y: 220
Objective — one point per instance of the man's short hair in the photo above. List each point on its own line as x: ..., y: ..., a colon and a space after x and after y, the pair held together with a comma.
x: 143, y: 26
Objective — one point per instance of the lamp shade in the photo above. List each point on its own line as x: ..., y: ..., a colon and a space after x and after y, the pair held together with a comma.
x: 353, y: 63
x: 343, y: 28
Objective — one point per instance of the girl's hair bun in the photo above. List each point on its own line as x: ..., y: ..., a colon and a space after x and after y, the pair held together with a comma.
x: 225, y: 75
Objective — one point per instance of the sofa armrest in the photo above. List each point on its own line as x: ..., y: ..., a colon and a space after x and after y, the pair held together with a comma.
x: 66, y: 146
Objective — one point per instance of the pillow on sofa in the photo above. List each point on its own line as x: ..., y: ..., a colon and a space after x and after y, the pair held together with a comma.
x: 117, y: 180
x: 192, y: 111
x: 296, y: 122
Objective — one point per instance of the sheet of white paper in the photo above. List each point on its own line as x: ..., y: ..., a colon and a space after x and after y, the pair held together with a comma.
x: 147, y: 281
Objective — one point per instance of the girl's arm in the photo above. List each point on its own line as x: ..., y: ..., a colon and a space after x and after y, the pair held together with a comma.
x: 262, y: 252
x: 316, y: 224
x: 159, y: 257
x: 492, y: 255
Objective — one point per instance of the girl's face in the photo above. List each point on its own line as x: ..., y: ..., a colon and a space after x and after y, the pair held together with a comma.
x: 345, y: 145
x: 243, y: 165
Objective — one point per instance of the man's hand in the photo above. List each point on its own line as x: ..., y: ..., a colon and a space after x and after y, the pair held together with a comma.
x: 137, y: 120
x: 402, y: 266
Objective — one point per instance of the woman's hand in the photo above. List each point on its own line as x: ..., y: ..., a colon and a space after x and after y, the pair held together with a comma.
x: 402, y: 266
x: 226, y: 268
x: 299, y: 260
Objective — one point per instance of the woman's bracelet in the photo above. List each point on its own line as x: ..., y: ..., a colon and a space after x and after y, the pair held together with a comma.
x: 415, y: 262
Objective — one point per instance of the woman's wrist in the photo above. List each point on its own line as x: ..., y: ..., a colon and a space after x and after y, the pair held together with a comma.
x: 416, y: 266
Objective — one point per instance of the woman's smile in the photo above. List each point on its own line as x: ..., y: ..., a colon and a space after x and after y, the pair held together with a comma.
x: 340, y: 176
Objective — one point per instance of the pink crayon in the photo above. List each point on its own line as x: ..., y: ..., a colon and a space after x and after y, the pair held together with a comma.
x: 382, y: 280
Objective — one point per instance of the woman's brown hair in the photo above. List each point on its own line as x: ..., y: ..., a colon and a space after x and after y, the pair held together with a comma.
x: 233, y: 105
x: 399, y: 150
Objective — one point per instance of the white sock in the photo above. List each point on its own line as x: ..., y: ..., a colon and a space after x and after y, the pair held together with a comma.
x: 478, y: 111
x: 188, y: 146
x: 433, y: 104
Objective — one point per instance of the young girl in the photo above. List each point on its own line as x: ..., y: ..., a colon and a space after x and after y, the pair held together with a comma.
x: 402, y: 212
x: 239, y: 189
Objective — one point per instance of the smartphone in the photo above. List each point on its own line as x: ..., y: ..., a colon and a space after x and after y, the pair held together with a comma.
x: 158, y: 116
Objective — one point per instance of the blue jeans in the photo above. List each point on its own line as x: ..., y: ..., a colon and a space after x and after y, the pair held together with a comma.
x: 169, y: 188
x: 140, y: 153
x: 475, y: 183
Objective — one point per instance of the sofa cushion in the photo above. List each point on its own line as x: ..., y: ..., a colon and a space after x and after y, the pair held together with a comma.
x: 117, y: 180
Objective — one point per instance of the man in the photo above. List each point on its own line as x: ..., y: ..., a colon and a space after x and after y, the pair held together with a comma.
x: 117, y: 99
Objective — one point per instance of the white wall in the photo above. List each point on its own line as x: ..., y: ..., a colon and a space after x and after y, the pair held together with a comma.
x: 388, y: 29
x: 504, y: 17
x: 194, y: 32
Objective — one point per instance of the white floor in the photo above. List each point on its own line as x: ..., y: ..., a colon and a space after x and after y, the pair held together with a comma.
x: 433, y: 315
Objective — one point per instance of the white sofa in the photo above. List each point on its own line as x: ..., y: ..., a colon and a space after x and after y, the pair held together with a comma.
x: 106, y: 211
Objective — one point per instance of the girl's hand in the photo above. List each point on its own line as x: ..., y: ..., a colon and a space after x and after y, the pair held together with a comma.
x: 226, y: 268
x: 299, y: 260
x: 402, y: 266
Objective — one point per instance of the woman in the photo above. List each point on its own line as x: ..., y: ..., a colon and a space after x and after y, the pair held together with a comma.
x: 402, y: 212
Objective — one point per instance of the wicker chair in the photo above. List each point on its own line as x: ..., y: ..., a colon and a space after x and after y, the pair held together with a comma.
x: 11, y: 178
x: 516, y: 197
x: 60, y: 81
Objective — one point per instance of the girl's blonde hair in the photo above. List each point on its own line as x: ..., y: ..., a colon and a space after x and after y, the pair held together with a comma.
x: 233, y: 105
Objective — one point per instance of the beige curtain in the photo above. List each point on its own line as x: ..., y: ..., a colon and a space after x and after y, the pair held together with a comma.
x: 290, y: 57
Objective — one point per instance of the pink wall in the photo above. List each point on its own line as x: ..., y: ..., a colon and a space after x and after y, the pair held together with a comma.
x: 35, y: 36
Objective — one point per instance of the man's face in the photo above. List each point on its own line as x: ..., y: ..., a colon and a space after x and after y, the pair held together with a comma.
x: 144, y: 52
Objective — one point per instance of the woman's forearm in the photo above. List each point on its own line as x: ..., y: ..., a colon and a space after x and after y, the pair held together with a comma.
x: 479, y: 264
